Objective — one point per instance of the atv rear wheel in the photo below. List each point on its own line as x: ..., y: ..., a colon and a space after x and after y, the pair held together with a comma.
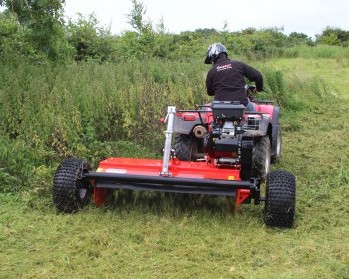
x: 69, y: 193
x: 187, y: 147
x: 280, y: 199
x: 261, y: 158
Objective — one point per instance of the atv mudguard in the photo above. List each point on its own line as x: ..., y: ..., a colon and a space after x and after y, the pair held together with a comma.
x: 185, y: 127
x: 275, y: 129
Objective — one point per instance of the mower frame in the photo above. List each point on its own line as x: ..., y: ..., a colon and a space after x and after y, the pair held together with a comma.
x: 174, y: 176
x: 74, y: 183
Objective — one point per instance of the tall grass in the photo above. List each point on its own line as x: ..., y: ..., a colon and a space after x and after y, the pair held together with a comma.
x: 318, y: 51
x: 49, y: 112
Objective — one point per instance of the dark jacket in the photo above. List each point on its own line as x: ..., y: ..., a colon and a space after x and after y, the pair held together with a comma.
x: 226, y: 80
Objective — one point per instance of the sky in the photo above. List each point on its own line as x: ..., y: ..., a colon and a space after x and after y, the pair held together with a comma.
x: 310, y: 17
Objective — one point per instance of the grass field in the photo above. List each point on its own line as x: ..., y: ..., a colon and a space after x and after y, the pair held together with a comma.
x: 141, y: 236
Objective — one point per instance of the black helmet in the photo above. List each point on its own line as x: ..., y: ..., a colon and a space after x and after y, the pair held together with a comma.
x: 213, y: 51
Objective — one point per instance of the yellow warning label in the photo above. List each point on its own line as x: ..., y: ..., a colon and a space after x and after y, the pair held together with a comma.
x: 231, y: 177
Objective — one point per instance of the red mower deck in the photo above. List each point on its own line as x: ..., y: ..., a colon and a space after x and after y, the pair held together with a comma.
x: 183, y: 177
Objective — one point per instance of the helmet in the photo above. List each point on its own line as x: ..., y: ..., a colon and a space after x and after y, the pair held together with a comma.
x: 213, y: 51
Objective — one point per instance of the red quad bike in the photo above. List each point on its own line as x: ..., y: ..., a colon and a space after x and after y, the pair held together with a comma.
x: 219, y: 149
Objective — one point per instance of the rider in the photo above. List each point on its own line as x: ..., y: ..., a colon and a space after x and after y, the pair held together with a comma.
x: 226, y: 79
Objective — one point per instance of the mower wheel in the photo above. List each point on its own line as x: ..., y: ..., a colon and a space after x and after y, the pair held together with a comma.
x: 261, y: 158
x: 186, y: 147
x: 280, y: 200
x: 69, y: 193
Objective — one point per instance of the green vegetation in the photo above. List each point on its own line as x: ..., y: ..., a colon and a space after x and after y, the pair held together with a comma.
x: 92, y: 94
x: 319, y: 51
x: 145, y: 235
x: 37, y: 30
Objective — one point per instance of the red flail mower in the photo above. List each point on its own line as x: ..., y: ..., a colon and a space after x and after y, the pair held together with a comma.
x: 218, y: 149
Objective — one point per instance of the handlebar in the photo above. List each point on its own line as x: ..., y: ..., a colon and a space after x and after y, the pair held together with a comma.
x: 250, y: 89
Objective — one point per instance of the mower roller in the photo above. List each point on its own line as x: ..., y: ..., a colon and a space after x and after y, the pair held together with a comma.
x: 219, y: 149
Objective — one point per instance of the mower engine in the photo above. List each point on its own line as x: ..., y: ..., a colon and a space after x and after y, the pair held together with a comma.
x: 225, y: 144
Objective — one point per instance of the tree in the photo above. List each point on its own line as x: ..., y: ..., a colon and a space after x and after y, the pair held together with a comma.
x: 43, y: 21
x: 296, y: 38
x: 136, y: 18
x: 333, y: 36
x: 13, y: 38
x: 30, y: 10
x: 89, y: 40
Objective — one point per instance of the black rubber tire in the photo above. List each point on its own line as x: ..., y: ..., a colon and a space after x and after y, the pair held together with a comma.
x: 276, y: 157
x: 186, y: 147
x: 261, y: 158
x: 280, y: 200
x: 69, y: 193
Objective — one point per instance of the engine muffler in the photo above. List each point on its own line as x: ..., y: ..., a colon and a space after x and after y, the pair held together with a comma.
x: 199, y: 131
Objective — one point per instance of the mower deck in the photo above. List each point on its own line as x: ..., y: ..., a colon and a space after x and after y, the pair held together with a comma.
x: 183, y: 177
x: 177, y: 168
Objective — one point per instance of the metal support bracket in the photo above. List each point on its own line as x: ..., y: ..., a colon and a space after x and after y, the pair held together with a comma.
x: 171, y: 111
